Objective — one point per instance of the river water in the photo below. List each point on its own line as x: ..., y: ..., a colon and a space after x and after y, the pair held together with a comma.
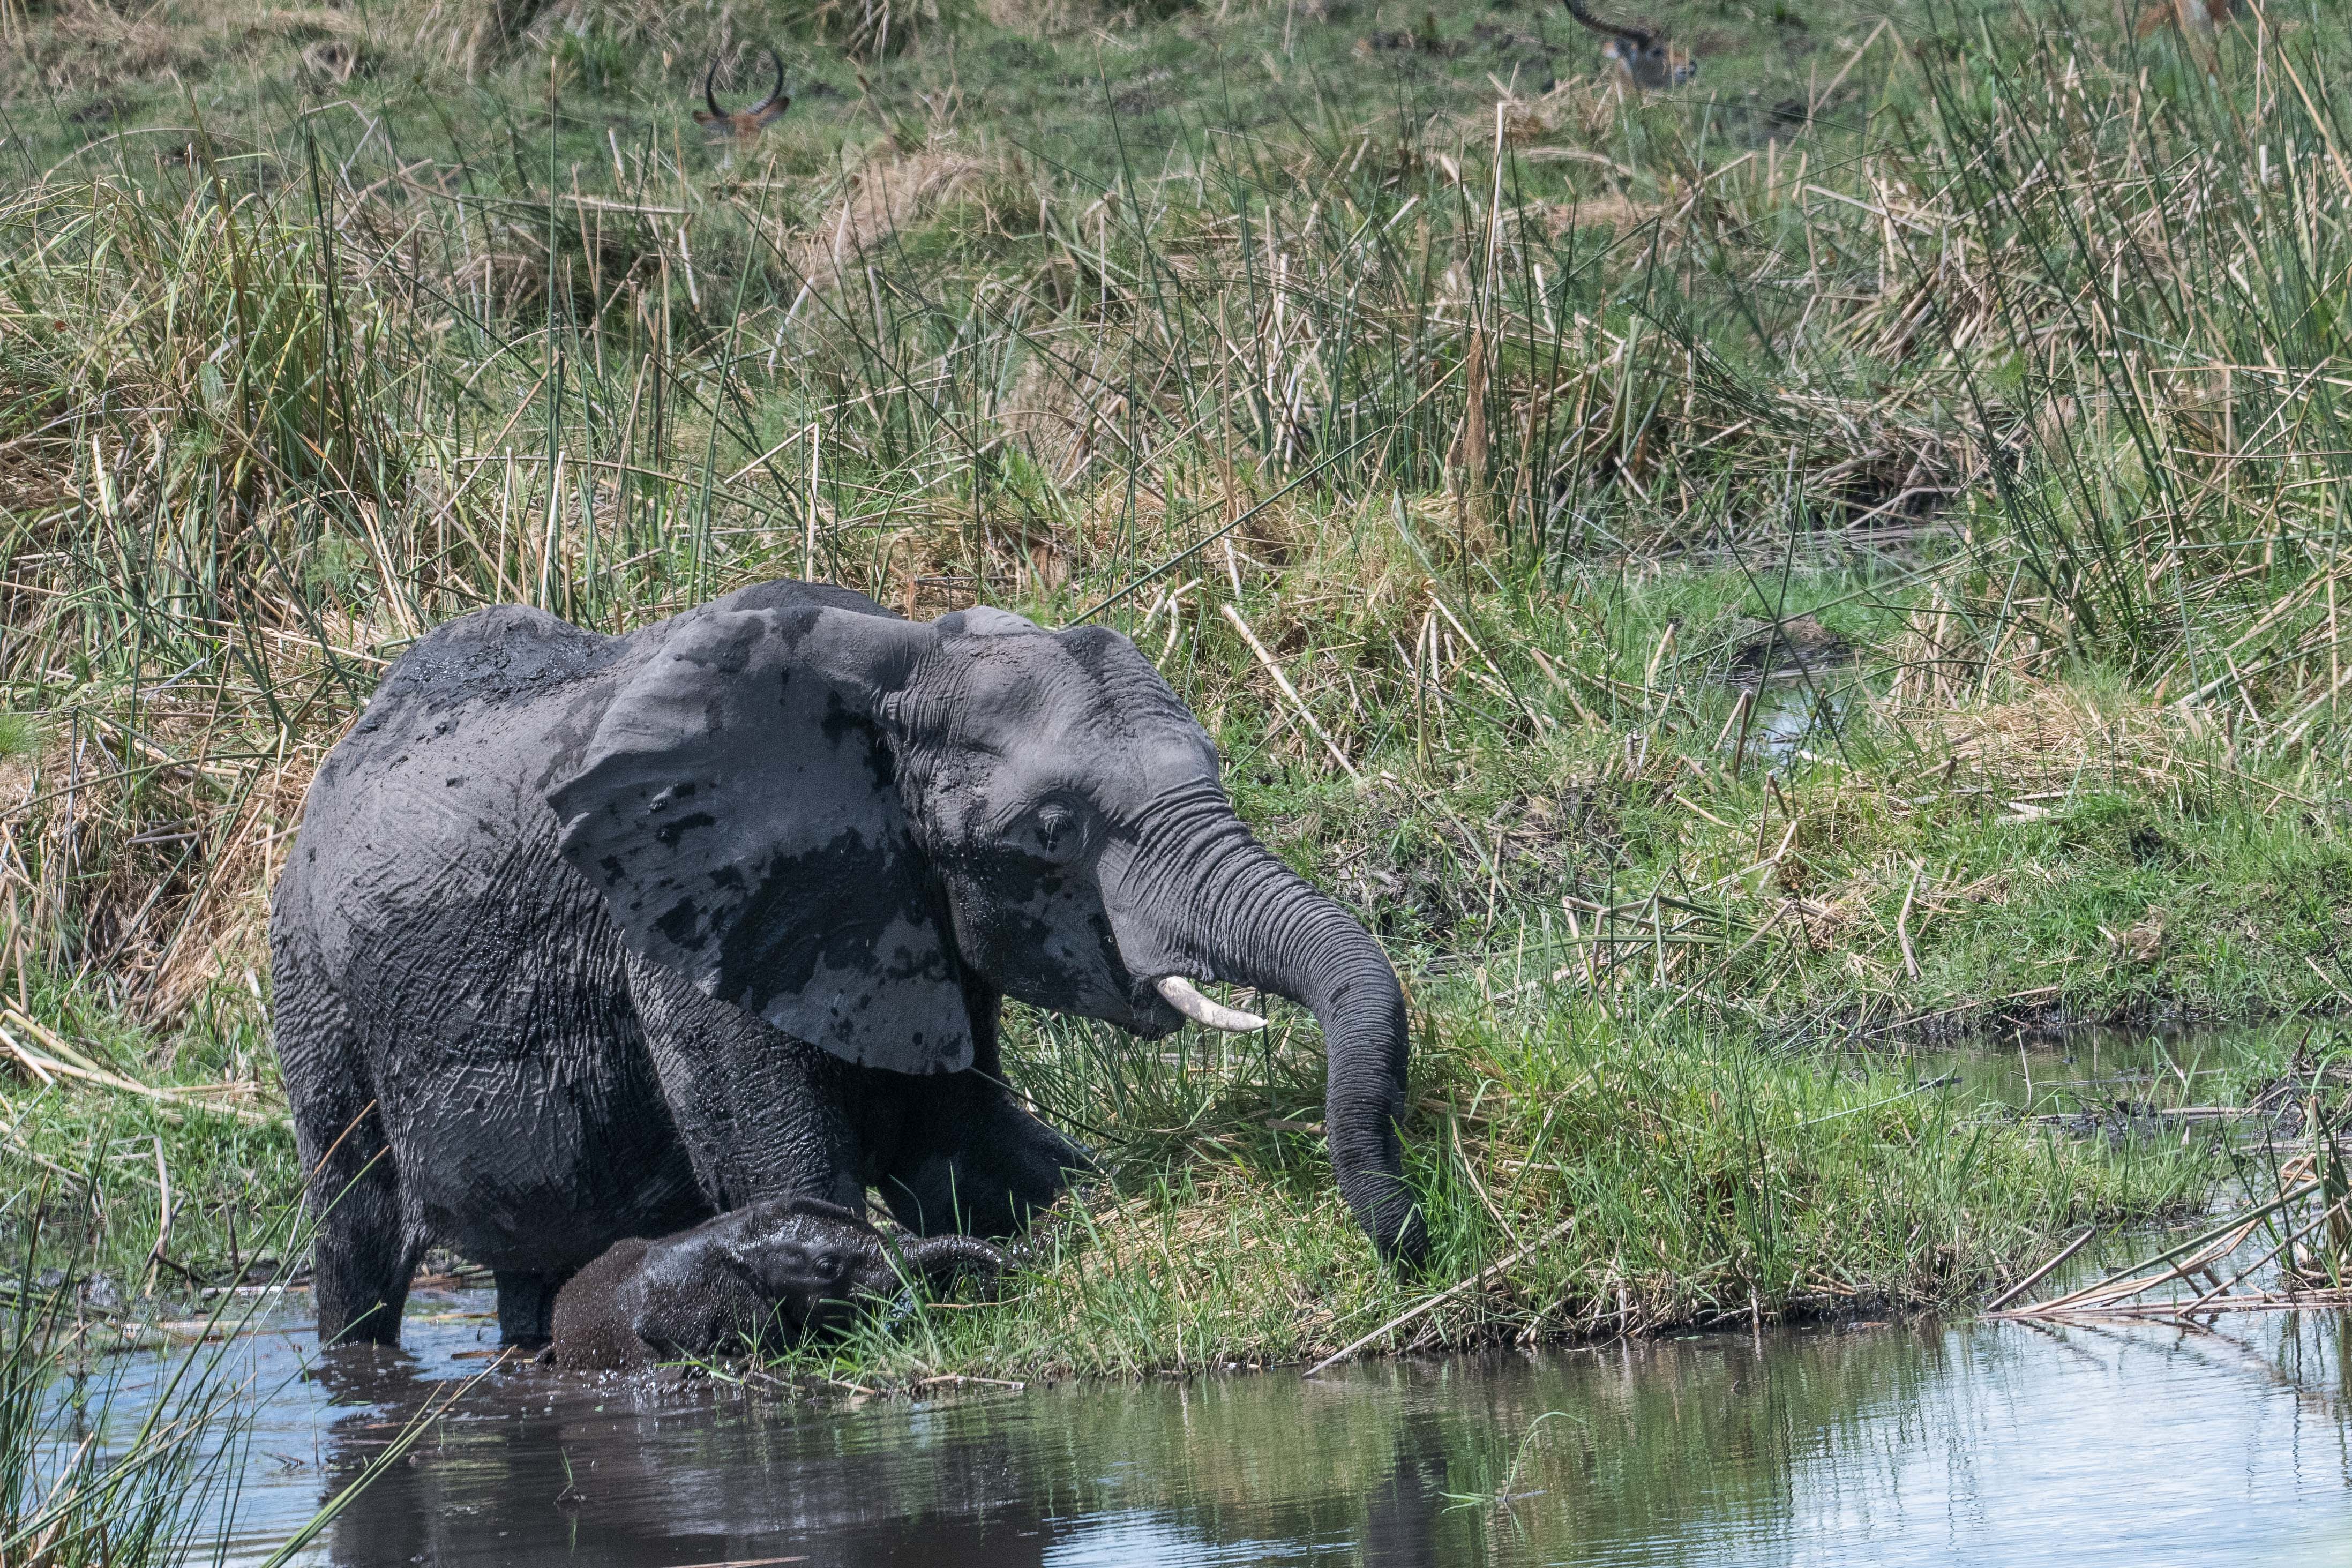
x: 2132, y: 1445
x: 1889, y: 1443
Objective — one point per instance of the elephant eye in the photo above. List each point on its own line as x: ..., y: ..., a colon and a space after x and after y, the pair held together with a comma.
x: 1054, y: 833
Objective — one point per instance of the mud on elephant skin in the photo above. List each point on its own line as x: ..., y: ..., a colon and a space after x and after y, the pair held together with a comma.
x: 587, y: 937
x: 767, y: 1275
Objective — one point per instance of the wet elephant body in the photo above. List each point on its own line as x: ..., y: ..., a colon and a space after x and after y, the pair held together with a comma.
x: 768, y: 1275
x: 588, y: 937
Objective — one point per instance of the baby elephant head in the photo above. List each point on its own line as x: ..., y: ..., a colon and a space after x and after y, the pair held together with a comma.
x: 813, y: 1266
x: 865, y: 831
x: 742, y: 125
x: 768, y: 1274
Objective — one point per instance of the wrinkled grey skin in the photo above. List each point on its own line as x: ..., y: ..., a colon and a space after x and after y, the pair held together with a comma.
x: 588, y: 937
x: 764, y: 1276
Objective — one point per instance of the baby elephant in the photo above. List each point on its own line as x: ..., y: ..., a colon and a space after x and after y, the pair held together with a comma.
x: 766, y: 1274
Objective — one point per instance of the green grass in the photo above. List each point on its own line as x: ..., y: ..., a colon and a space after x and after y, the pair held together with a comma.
x: 2006, y: 348
x: 1699, y: 1182
x: 226, y: 1178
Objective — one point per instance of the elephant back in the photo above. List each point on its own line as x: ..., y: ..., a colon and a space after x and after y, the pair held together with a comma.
x: 507, y: 654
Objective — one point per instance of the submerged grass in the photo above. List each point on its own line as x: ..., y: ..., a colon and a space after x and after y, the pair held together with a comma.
x: 1753, y: 571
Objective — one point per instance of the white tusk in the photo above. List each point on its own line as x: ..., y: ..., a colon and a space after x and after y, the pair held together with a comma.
x: 1186, y: 999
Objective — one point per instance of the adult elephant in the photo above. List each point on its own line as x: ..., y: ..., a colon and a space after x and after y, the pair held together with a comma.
x: 587, y: 937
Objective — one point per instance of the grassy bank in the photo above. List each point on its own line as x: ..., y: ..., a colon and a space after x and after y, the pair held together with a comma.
x: 1999, y: 367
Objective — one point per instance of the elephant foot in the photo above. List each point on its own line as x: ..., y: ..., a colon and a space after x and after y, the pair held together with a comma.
x: 1005, y: 1167
x: 360, y: 1284
x: 375, y: 1322
x: 527, y: 1309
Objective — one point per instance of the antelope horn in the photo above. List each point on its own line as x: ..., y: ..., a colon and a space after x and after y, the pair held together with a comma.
x: 709, y: 78
x: 1633, y: 36
x: 1185, y: 998
x: 774, y: 92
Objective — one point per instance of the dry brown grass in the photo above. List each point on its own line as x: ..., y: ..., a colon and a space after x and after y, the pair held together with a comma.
x: 1043, y: 18
x: 86, y: 45
x: 153, y: 853
x: 883, y: 197
x: 2056, y: 735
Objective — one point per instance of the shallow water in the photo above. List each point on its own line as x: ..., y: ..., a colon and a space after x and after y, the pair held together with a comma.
x: 1796, y: 715
x: 1897, y: 1443
x: 2091, y: 1070
x: 1883, y: 1444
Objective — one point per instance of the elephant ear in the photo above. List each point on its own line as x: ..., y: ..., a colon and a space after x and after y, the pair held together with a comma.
x: 736, y: 805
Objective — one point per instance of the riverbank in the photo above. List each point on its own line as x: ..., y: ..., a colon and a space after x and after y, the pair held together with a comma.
x: 1688, y: 679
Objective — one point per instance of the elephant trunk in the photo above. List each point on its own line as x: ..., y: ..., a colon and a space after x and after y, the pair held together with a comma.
x: 942, y: 1260
x: 935, y: 1262
x: 1199, y: 896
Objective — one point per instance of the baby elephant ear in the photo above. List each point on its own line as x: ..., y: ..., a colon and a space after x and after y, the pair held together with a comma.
x: 736, y: 805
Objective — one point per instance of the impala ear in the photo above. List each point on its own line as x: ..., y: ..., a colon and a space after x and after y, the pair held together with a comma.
x: 736, y: 804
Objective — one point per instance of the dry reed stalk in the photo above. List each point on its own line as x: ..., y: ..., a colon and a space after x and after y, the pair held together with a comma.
x: 2222, y: 1289
x: 2201, y: 1250
x: 163, y: 1209
x: 1290, y: 692
x: 2037, y: 1275
x: 2299, y: 1302
x: 63, y: 1059
x: 1903, y: 924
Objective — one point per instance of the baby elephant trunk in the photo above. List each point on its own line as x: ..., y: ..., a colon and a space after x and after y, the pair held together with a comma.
x: 941, y: 1260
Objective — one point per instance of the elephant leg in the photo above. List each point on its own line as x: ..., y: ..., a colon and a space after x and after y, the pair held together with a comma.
x: 988, y: 1166
x: 364, y: 1249
x: 526, y: 1308
x: 762, y: 1114
x: 362, y: 1254
x: 363, y: 1259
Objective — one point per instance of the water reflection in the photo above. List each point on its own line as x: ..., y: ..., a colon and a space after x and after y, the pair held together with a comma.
x: 1791, y: 722
x: 2108, y: 1082
x: 1892, y: 1444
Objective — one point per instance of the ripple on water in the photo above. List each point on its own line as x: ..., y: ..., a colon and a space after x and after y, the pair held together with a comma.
x: 1895, y: 1444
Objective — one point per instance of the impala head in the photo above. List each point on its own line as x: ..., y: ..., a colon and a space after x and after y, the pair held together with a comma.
x: 742, y: 125
x: 2197, y: 19
x: 1643, y: 59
